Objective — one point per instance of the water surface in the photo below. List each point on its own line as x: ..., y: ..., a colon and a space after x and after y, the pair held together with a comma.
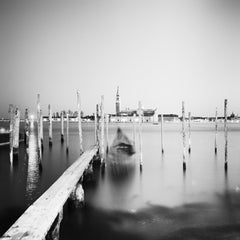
x: 160, y: 202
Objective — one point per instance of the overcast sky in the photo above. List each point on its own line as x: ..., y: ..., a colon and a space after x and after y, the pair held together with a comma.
x: 159, y: 52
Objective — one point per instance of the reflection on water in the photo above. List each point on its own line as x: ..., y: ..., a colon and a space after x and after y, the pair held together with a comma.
x: 187, y: 221
x: 120, y: 166
x: 33, y: 166
x: 161, y: 202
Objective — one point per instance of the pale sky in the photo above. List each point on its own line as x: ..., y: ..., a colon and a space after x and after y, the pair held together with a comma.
x: 159, y: 52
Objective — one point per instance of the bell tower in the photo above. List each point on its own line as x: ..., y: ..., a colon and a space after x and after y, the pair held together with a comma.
x: 117, y: 102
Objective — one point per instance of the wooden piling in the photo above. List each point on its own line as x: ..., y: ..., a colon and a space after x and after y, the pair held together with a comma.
x: 50, y: 124
x: 189, y: 132
x: 16, y: 126
x: 107, y: 123
x: 62, y: 127
x: 79, y: 122
x: 216, y: 130
x: 134, y: 130
x: 11, y: 113
x: 102, y: 130
x: 39, y: 127
x: 225, y: 134
x: 184, y: 136
x: 77, y: 196
x: 140, y: 133
x: 26, y: 128
x: 98, y: 126
x: 95, y: 128
x: 67, y: 145
x: 162, y: 134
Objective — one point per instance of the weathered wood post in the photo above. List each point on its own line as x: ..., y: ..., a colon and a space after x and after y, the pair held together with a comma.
x: 102, y: 131
x: 62, y: 127
x: 16, y: 126
x: 98, y: 126
x: 95, y: 128
x: 39, y: 127
x: 67, y: 145
x: 77, y: 196
x: 162, y: 133
x: 11, y: 113
x: 140, y: 133
x: 225, y: 134
x: 26, y: 128
x: 79, y: 122
x: 189, y: 132
x: 134, y: 130
x: 107, y: 140
x: 31, y: 124
x: 184, y: 136
x: 216, y: 130
x: 50, y: 124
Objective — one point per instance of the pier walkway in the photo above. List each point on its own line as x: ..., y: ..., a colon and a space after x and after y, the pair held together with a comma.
x: 42, y: 219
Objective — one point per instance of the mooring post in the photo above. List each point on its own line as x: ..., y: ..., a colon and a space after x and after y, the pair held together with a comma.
x: 50, y: 124
x: 225, y: 134
x: 77, y: 196
x: 162, y: 133
x: 107, y: 140
x: 184, y: 136
x: 79, y: 122
x: 95, y: 128
x: 39, y: 127
x: 31, y: 124
x: 216, y: 130
x: 11, y: 113
x: 189, y: 132
x: 102, y: 130
x: 140, y: 133
x: 98, y: 126
x: 67, y: 146
x: 134, y: 130
x: 16, y: 125
x: 62, y: 127
x: 26, y: 128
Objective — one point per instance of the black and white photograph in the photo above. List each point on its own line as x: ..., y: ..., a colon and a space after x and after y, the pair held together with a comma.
x: 119, y: 119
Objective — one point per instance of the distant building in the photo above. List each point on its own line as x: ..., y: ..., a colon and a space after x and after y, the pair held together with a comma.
x: 169, y: 117
x: 128, y: 114
x: 118, y: 103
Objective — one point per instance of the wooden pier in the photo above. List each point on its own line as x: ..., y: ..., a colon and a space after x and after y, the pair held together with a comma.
x: 42, y: 219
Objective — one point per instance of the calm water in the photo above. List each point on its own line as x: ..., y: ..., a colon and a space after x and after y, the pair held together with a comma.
x: 161, y: 202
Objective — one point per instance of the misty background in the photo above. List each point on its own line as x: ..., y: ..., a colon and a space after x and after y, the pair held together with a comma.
x: 159, y: 52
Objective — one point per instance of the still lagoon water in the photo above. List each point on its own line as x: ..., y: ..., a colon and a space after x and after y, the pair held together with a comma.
x: 160, y: 202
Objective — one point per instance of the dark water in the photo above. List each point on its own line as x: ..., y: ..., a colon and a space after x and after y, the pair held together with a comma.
x: 161, y: 202
x: 23, y: 182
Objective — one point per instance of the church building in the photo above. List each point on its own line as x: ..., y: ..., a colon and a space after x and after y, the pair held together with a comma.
x: 127, y: 115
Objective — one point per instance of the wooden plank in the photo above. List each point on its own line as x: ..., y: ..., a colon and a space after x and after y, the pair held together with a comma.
x: 38, y: 218
x: 4, y: 144
x: 7, y: 143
